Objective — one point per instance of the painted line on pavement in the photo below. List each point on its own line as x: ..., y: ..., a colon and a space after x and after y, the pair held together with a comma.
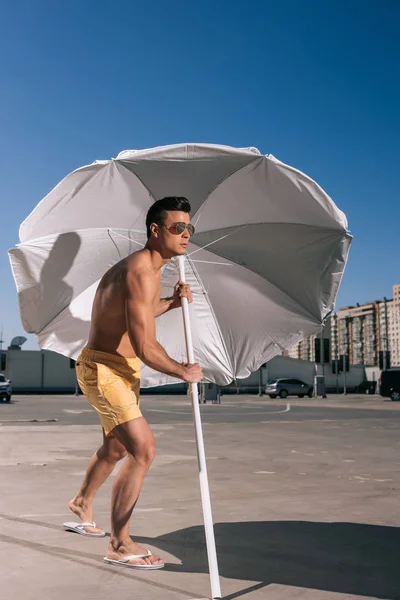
x: 189, y: 408
x: 77, y: 412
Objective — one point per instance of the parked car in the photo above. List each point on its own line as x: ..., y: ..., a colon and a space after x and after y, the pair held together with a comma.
x: 389, y: 385
x: 5, y: 389
x: 285, y: 387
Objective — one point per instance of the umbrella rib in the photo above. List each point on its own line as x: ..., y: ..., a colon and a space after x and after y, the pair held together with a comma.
x: 125, y: 237
x: 211, y: 262
x: 218, y: 240
x: 111, y: 238
x: 247, y: 225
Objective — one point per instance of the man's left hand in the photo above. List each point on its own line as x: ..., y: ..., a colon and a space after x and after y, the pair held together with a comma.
x: 181, y: 290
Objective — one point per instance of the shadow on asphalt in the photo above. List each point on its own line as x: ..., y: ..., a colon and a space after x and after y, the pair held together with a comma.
x: 346, y: 558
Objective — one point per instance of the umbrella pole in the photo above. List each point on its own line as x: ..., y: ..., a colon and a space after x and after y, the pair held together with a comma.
x: 201, y: 457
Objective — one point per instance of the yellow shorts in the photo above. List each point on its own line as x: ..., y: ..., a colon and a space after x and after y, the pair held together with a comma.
x: 111, y: 384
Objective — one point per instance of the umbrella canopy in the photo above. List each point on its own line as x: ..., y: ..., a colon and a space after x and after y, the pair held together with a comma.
x: 265, y: 263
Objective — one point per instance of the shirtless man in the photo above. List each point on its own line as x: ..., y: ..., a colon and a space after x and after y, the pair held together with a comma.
x: 122, y: 334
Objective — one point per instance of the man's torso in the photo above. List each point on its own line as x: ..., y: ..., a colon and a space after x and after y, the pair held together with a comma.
x: 108, y: 332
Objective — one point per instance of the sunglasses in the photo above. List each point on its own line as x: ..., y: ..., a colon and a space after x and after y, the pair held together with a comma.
x: 179, y: 228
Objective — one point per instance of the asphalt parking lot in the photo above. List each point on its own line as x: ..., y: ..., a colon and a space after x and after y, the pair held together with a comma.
x: 305, y: 497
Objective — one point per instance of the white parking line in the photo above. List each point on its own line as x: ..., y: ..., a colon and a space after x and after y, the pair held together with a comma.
x: 77, y: 412
x: 188, y: 411
x: 264, y: 472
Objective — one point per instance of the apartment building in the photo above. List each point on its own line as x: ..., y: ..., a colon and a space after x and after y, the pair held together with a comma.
x: 394, y: 326
x: 368, y: 333
x: 303, y: 349
x: 359, y: 333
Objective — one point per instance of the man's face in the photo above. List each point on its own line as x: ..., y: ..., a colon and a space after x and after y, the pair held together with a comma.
x: 173, y: 243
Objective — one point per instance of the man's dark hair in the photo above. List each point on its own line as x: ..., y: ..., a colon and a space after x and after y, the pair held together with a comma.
x: 156, y: 213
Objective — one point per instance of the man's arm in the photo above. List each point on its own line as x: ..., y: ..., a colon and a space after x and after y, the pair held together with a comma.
x: 142, y: 290
x: 164, y: 305
x: 181, y: 290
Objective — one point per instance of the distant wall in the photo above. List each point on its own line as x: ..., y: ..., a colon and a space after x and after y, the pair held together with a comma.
x: 24, y: 368
x: 38, y: 371
x: 58, y: 372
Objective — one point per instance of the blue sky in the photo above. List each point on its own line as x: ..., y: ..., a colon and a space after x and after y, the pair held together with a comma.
x: 314, y: 83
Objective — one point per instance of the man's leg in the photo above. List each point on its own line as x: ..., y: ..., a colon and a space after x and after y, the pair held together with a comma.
x: 100, y: 467
x: 137, y: 438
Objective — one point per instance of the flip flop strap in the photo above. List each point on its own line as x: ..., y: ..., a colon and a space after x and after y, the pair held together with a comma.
x: 134, y: 557
x: 86, y: 525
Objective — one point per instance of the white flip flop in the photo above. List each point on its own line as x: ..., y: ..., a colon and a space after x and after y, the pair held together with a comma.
x: 124, y: 562
x: 79, y: 528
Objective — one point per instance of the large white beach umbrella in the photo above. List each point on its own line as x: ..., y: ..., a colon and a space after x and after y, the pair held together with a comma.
x: 264, y: 264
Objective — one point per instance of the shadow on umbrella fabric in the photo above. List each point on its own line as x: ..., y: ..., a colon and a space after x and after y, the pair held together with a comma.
x: 55, y: 269
x: 51, y: 294
x: 347, y: 558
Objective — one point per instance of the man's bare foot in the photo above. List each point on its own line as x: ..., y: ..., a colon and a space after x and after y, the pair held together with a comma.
x: 118, y: 550
x: 84, y: 514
